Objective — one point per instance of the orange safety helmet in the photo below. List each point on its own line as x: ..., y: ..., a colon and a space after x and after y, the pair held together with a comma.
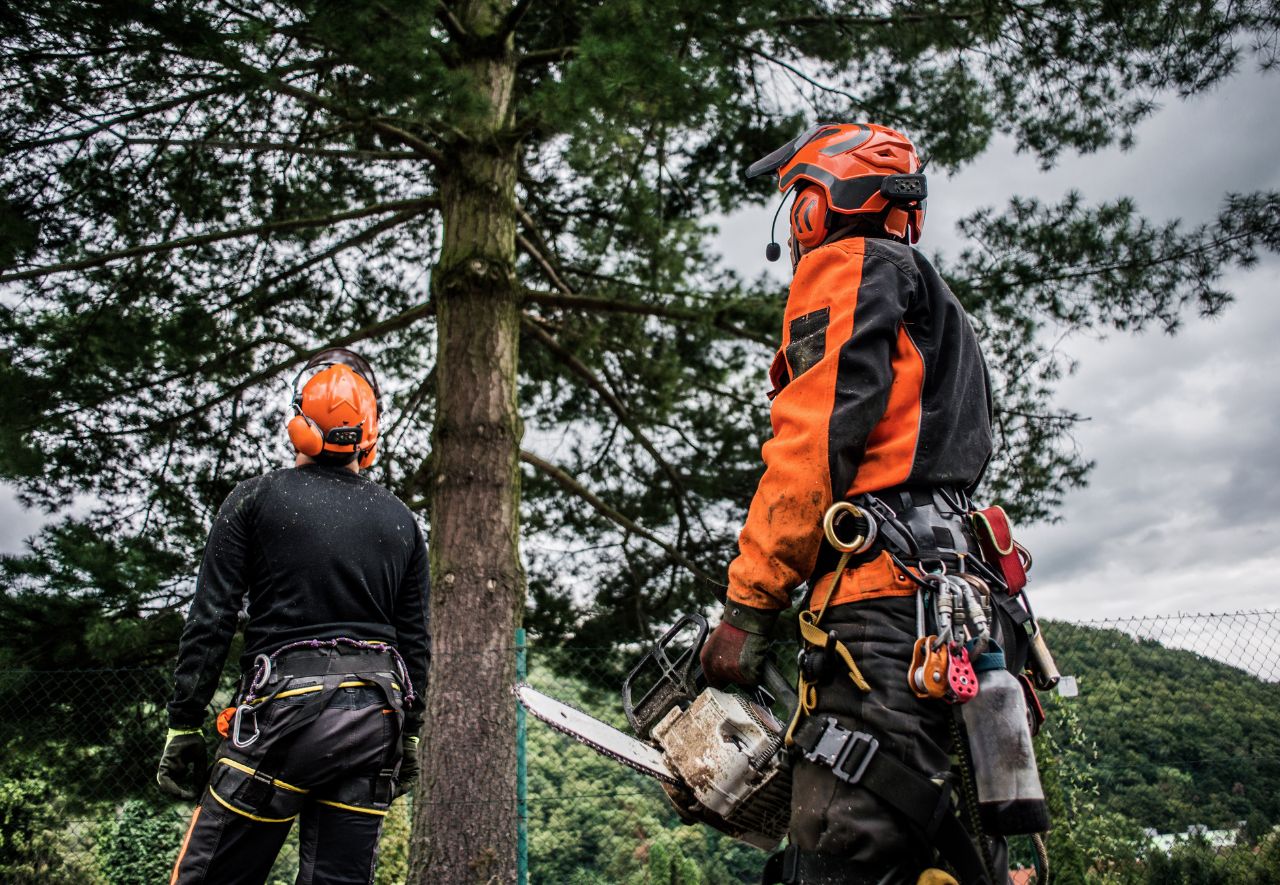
x: 848, y: 169
x: 337, y: 410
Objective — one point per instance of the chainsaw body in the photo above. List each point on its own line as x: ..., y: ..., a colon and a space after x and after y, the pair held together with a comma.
x: 723, y: 747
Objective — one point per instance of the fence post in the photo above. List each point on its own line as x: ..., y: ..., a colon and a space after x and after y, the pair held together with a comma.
x: 522, y: 785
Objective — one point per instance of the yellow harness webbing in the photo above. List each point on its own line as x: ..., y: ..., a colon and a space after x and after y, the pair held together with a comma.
x: 813, y: 635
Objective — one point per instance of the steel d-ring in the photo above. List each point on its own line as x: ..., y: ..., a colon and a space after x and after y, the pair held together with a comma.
x: 861, y: 543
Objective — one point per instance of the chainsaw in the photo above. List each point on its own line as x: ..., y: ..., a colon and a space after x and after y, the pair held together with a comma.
x: 716, y: 753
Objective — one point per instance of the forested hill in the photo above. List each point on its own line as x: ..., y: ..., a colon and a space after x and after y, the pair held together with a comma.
x: 1170, y: 738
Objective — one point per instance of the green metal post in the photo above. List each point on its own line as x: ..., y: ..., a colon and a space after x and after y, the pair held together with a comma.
x: 522, y: 771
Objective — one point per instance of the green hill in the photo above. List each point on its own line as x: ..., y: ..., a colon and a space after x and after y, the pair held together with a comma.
x: 1169, y: 737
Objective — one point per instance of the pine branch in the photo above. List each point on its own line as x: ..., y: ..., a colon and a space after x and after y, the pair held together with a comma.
x: 570, y: 299
x: 806, y: 78
x: 369, y: 233
x: 451, y: 24
x: 527, y: 245
x: 844, y: 21
x: 159, y: 107
x: 512, y: 19
x: 373, y: 330
x: 547, y: 56
x: 274, y: 146
x: 563, y: 479
x: 595, y: 383
x: 275, y: 83
x: 618, y: 305
x: 269, y: 227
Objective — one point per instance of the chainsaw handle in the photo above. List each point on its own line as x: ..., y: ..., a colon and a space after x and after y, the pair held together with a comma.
x: 674, y: 675
x: 778, y: 685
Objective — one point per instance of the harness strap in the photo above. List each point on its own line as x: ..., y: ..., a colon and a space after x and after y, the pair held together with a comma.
x: 257, y: 790
x: 811, y: 633
x: 855, y: 758
x: 298, y: 665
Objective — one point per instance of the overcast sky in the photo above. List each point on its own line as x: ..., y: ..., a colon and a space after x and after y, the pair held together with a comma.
x: 1181, y: 514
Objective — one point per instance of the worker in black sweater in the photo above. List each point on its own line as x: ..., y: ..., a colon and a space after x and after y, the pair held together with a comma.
x: 332, y: 570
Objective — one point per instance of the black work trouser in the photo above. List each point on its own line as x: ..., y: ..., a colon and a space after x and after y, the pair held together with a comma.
x: 836, y: 819
x: 329, y: 779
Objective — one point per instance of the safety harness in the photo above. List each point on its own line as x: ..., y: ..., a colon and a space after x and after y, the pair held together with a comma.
x: 916, y: 532
x: 255, y: 784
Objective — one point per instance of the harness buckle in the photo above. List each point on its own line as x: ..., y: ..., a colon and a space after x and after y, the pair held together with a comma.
x: 847, y: 753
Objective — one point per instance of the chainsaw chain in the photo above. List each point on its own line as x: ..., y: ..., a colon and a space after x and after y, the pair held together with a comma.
x: 603, y: 751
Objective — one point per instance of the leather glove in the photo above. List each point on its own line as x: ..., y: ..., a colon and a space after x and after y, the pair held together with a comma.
x: 184, y: 748
x: 408, y: 776
x: 734, y: 653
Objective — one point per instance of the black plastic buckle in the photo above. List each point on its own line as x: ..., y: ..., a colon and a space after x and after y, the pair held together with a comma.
x: 847, y: 753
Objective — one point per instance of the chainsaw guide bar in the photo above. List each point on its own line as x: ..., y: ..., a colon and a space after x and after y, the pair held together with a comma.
x: 604, y: 739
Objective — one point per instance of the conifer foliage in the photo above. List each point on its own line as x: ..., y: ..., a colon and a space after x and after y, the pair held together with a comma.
x: 505, y: 205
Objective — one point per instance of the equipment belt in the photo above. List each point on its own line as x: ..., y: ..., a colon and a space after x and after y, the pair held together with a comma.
x: 925, y: 525
x: 855, y: 758
x: 307, y: 662
x: 316, y: 664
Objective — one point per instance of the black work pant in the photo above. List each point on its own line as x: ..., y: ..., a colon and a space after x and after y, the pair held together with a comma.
x: 834, y: 818
x: 330, y: 779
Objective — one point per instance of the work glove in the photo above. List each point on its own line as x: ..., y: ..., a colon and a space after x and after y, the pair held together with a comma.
x: 408, y: 776
x: 734, y: 653
x: 183, y: 749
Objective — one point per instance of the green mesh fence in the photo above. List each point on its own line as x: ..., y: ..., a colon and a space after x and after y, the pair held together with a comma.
x: 1164, y: 768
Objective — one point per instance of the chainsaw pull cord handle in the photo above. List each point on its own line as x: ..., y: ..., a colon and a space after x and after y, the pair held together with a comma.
x: 810, y: 631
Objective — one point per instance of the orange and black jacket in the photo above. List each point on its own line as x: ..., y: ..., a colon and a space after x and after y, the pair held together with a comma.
x: 879, y: 383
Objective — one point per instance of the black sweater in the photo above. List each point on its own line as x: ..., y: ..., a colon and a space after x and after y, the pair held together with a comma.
x: 312, y: 552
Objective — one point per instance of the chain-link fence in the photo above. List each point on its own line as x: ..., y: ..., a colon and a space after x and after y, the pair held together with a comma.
x: 1164, y: 768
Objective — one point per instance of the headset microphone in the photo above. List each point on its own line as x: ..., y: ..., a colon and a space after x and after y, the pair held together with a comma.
x: 773, y: 251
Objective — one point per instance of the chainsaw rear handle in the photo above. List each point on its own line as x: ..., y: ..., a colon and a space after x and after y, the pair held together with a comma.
x: 779, y: 686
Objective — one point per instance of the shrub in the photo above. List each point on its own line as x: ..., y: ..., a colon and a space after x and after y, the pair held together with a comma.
x: 139, y: 845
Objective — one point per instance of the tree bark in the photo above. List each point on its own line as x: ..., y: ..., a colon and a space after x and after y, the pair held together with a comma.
x: 465, y: 823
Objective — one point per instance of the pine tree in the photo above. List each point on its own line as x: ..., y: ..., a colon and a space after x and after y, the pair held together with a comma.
x: 506, y: 206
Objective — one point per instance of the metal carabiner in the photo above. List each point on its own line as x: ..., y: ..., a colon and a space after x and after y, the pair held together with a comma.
x: 263, y: 662
x: 235, y: 726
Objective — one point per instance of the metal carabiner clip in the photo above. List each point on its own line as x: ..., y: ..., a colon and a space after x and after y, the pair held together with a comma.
x: 235, y: 726
x: 262, y: 670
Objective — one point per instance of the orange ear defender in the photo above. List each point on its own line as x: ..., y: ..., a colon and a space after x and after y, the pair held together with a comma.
x: 809, y: 218
x: 305, y: 435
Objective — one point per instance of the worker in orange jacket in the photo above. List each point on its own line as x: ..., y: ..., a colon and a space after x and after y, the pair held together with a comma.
x: 879, y: 387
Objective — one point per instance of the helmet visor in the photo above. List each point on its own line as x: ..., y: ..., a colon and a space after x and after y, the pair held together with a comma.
x: 779, y: 158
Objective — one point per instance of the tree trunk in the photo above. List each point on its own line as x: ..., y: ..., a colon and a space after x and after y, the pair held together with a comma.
x: 465, y: 824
